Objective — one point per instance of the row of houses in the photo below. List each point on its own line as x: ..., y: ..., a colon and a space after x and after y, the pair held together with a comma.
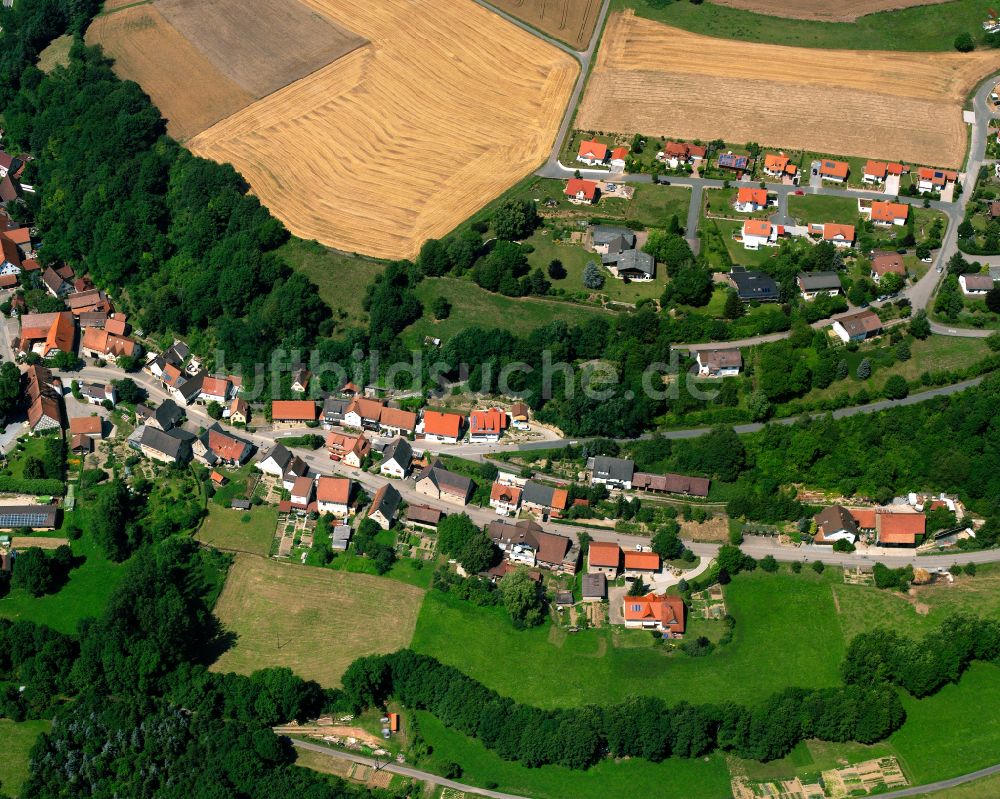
x: 897, y: 525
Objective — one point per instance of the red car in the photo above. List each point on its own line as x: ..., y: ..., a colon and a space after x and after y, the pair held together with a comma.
x: 799, y: 193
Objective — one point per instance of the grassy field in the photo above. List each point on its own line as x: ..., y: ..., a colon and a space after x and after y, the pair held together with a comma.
x: 988, y: 786
x: 931, y: 354
x: 774, y: 640
x: 239, y: 531
x: 314, y: 621
x: 18, y: 738
x: 931, y: 27
x: 471, y: 305
x: 341, y: 279
x: 84, y: 595
x: 692, y: 779
x: 405, y: 570
x: 809, y: 758
x: 818, y: 208
x: 56, y: 54
x: 737, y: 253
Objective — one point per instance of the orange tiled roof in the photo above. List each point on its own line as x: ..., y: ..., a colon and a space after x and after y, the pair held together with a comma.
x: 745, y: 194
x: 333, y: 489
x: 593, y: 149
x: 437, y: 423
x: 648, y: 561
x: 757, y: 227
x: 887, y: 212
x: 575, y: 186
x: 666, y: 609
x: 604, y: 553
x: 293, y: 410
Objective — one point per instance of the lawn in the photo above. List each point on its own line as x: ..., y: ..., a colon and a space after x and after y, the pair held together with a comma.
x: 819, y: 208
x: 705, y: 778
x: 26, y: 447
x: 737, y: 252
x: 239, y: 531
x: 720, y: 202
x: 18, y: 738
x: 787, y: 633
x: 56, y: 54
x: 932, y: 27
x: 84, y: 595
x: 932, y: 354
x: 471, y: 305
x: 406, y: 570
x: 315, y: 621
x: 340, y: 278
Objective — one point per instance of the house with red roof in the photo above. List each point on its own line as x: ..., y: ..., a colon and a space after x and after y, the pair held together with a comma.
x: 580, y: 191
x: 657, y: 612
x: 780, y: 166
x: 893, y: 525
x: 333, y: 495
x: 348, y: 448
x: 837, y: 235
x: 750, y: 199
x: 834, y: 171
x: 640, y: 563
x: 505, y: 499
x: 619, y: 156
x: 302, y: 493
x: 98, y: 343
x: 675, y: 153
x: 934, y: 179
x: 47, y: 333
x: 443, y: 428
x: 604, y: 557
x: 292, y: 413
x: 759, y: 233
x: 885, y: 214
x: 592, y: 153
x: 488, y: 425
x: 215, y: 389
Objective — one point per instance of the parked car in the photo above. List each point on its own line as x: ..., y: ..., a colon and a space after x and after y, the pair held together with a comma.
x: 799, y: 193
x: 926, y: 260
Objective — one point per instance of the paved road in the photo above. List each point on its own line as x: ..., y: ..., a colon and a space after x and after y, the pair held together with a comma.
x: 405, y: 771
x: 941, y: 785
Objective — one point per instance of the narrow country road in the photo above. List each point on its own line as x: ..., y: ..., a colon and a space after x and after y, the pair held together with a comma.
x: 405, y: 771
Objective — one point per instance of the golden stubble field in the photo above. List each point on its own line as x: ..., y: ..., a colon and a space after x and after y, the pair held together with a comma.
x: 844, y: 11
x: 570, y: 21
x: 402, y: 139
x: 662, y: 81
x: 314, y: 621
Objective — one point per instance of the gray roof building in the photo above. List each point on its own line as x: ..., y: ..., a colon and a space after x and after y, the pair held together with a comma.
x: 400, y: 451
x: 33, y: 516
x: 632, y: 262
x: 819, y: 281
x: 753, y: 285
x: 175, y: 444
x: 612, y: 470
x: 594, y: 586
x: 610, y: 234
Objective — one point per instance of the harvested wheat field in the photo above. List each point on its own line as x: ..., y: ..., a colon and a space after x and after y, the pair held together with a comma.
x: 314, y: 621
x: 189, y: 91
x: 402, y: 139
x: 662, y: 81
x: 845, y: 11
x: 570, y: 21
x: 277, y: 43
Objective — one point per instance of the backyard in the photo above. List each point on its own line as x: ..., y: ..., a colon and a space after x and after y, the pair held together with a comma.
x: 239, y: 531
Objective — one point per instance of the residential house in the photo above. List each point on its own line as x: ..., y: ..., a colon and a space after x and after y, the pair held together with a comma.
x: 834, y: 171
x: 216, y: 446
x: 277, y: 461
x: 676, y: 153
x: 592, y: 153
x: 935, y: 180
x: 437, y: 482
x: 10, y: 257
x: 610, y: 238
x: 296, y: 468
x: 544, y: 498
x: 352, y: 450
x: 779, y: 166
x: 759, y: 233
x: 661, y: 613
x: 580, y: 191
x: 301, y: 494
x: 752, y: 285
x: 885, y: 263
x: 384, y: 505
x: 605, y: 558
x: 594, y: 587
x: 837, y: 235
x: 55, y: 284
x: 300, y: 380
x: 216, y: 389
x: 505, y: 499
x: 975, y: 285
x: 719, y: 362
x: 396, y: 458
x: 80, y: 444
x: 875, y: 171
x: 444, y: 428
x: 9, y: 165
x: 641, y: 563
x: 893, y: 525
x: 631, y: 264
x: 671, y: 484
x: 292, y: 413
x: 91, y: 426
x: 98, y: 394
x: 170, y: 446
x: 168, y: 415
x: 519, y: 416
x: 816, y: 284
x: 333, y: 411
x: 92, y: 301
x: 835, y: 523
x: 737, y: 163
x: 612, y: 472
x: 44, y: 396
x: 98, y: 343
x: 47, y: 333
x: 333, y: 495
x: 423, y: 517
x: 858, y: 326
x: 184, y: 390
x: 238, y: 411
x: 619, y: 157
x: 488, y: 425
x: 750, y: 199
x: 397, y: 422
x: 886, y: 214
x: 526, y: 543
x: 363, y: 413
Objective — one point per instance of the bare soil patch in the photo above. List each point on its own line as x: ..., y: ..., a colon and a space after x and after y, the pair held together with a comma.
x: 570, y: 21
x: 260, y: 47
x: 314, y: 621
x: 399, y: 141
x: 846, y: 11
x: 187, y: 88
x: 662, y: 81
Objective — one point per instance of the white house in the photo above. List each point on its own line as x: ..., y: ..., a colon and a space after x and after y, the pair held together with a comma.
x: 505, y: 499
x: 592, y: 153
x: 276, y: 462
x: 815, y: 284
x: 719, y: 362
x: 215, y: 389
x: 443, y: 428
x: 302, y: 492
x: 397, y: 458
x: 759, y: 233
x: 750, y: 199
x: 618, y: 158
x: 333, y: 495
x: 975, y: 284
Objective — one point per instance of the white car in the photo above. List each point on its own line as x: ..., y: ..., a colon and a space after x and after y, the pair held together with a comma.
x: 926, y: 260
